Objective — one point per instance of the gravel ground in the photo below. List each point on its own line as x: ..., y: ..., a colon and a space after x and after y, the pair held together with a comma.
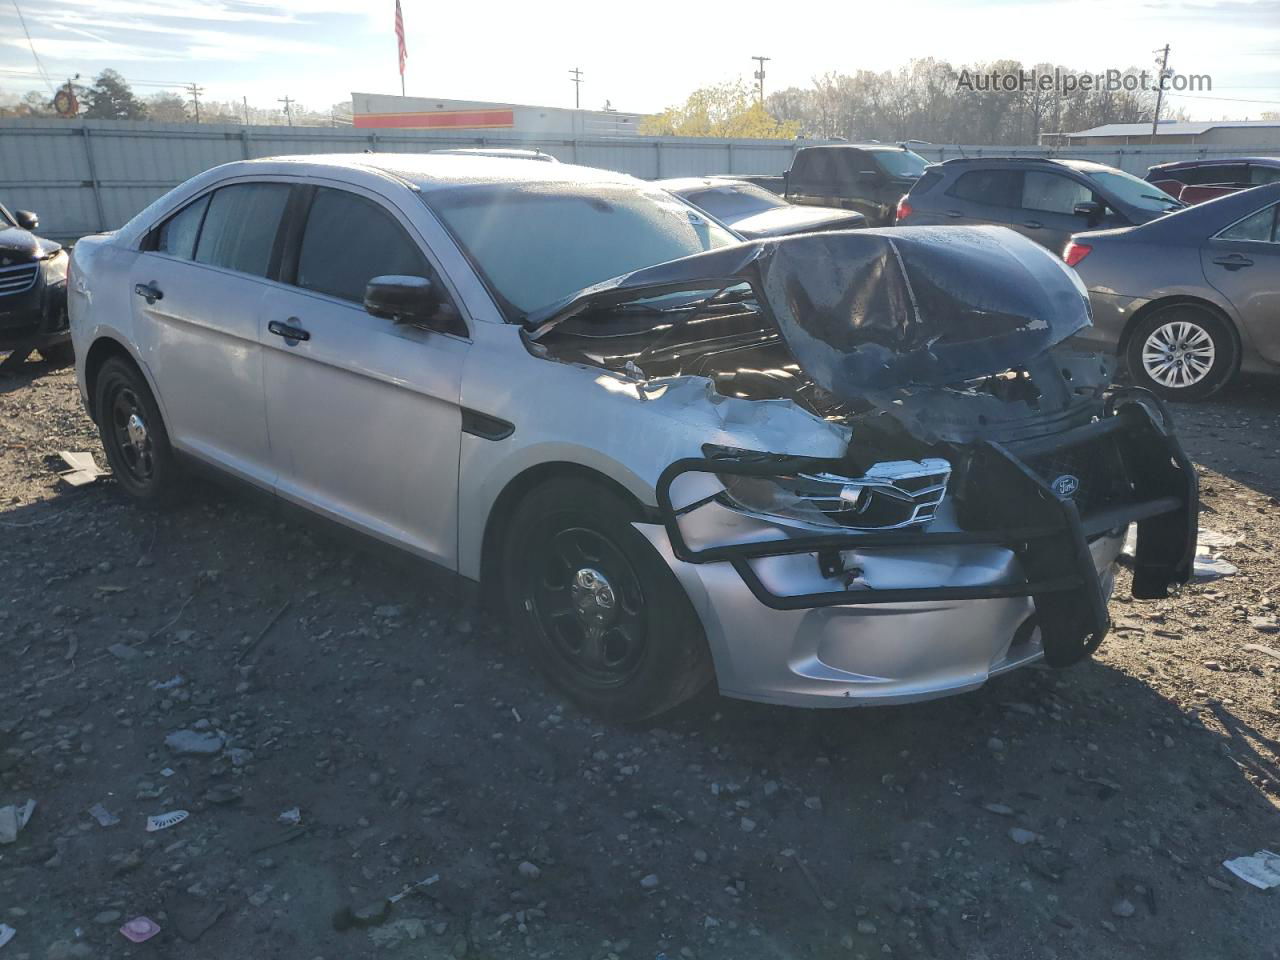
x: 1082, y: 813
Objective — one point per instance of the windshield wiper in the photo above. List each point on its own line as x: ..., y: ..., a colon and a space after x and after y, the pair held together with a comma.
x: 1165, y: 199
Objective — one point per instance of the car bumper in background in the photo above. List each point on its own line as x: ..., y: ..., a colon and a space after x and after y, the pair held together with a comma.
x: 34, y: 316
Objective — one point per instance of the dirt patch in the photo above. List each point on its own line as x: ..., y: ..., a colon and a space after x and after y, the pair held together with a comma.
x: 232, y: 660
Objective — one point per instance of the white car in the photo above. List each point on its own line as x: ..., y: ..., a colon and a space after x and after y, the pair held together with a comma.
x: 832, y: 469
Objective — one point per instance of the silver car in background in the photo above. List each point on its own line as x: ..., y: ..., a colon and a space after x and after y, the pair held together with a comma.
x: 822, y: 470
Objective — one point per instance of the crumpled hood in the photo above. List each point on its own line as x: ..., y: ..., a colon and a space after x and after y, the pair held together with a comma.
x: 877, y: 309
x: 23, y: 246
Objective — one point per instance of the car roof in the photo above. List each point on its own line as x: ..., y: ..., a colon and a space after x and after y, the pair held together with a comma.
x: 432, y: 171
x: 869, y: 147
x: 1082, y: 166
x: 1215, y: 161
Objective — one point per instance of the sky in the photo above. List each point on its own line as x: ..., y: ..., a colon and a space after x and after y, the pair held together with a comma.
x: 639, y: 57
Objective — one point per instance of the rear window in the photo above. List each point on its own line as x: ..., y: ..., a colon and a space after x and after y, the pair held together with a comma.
x: 536, y: 243
x: 927, y: 182
x: 734, y: 201
x: 901, y: 163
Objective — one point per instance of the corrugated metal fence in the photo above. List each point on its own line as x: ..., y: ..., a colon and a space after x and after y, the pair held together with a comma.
x: 87, y: 176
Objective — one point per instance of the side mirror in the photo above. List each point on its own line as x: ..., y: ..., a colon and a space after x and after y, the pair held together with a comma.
x: 402, y: 299
x: 26, y: 219
x: 1091, y: 210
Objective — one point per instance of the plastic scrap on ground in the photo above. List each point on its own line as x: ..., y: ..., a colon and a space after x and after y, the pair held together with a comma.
x: 291, y: 816
x: 104, y: 816
x: 140, y: 929
x: 83, y: 469
x: 7, y: 933
x: 163, y: 821
x: 1262, y: 870
x: 1208, y: 563
x: 12, y: 820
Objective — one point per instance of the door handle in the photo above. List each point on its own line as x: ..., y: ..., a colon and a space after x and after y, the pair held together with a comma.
x: 288, y: 330
x: 149, y: 292
x: 1233, y: 262
x: 952, y: 213
x: 1032, y: 224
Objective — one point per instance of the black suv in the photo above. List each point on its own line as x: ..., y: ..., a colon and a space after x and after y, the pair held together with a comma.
x: 33, y: 290
x: 1044, y: 200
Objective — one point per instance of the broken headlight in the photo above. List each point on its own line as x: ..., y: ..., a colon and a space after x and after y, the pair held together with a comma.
x: 895, y: 493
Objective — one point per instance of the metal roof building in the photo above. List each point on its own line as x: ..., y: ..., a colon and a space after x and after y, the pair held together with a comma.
x: 1220, y: 132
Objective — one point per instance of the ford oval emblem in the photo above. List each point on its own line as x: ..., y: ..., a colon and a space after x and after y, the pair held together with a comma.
x: 1066, y: 485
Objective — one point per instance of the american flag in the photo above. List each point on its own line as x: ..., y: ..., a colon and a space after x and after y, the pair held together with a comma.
x: 404, y: 54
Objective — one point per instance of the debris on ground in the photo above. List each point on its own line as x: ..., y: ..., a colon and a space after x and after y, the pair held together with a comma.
x: 83, y: 469
x: 7, y: 933
x: 140, y: 929
x: 1262, y: 870
x: 13, y: 819
x: 191, y: 916
x: 104, y: 816
x: 163, y: 821
x: 200, y: 743
x: 292, y: 816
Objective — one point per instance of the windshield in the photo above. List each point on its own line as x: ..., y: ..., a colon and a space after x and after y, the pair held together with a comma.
x: 536, y: 243
x: 901, y: 163
x: 733, y: 201
x: 6, y: 219
x: 1137, y: 193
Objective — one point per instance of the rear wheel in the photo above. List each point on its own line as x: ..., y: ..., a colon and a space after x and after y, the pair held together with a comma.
x: 133, y: 433
x: 601, y: 612
x: 1182, y: 352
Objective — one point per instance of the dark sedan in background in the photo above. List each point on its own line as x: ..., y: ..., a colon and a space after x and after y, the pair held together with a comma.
x: 33, y: 290
x: 1191, y: 298
x: 754, y: 212
x: 1195, y: 181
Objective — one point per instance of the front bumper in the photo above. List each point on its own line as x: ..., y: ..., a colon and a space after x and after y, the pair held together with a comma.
x: 1013, y: 573
x: 36, y: 315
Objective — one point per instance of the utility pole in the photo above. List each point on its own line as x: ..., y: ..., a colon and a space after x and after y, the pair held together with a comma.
x: 245, y: 101
x: 287, y: 101
x: 760, y: 75
x: 1164, y: 69
x: 576, y: 74
x: 195, y: 92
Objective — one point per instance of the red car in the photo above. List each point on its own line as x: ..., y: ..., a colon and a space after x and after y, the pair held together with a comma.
x: 1194, y: 181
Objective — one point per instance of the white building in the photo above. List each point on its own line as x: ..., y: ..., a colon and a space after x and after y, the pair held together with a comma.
x: 384, y: 111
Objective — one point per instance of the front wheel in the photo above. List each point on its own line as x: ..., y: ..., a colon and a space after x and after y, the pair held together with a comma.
x: 1182, y: 352
x: 601, y: 613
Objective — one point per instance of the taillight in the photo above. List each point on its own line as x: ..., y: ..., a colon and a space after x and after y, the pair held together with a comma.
x: 1074, y: 252
x: 904, y: 210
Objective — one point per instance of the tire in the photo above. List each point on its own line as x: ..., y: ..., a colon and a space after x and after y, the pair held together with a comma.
x: 1198, y: 337
x: 601, y: 613
x: 139, y: 453
x: 60, y: 354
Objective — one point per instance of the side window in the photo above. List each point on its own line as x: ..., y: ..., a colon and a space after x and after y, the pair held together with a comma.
x: 997, y: 188
x: 240, y: 227
x: 1051, y: 193
x: 1259, y: 175
x: 813, y: 166
x: 1217, y: 173
x: 349, y: 240
x: 1260, y: 226
x: 177, y: 235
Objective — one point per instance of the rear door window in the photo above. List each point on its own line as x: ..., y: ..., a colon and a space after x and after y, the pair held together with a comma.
x: 1052, y: 193
x: 813, y: 166
x: 1259, y: 227
x: 177, y: 235
x: 996, y: 188
x: 240, y: 227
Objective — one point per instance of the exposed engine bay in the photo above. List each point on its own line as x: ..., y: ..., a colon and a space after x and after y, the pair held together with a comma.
x: 942, y: 351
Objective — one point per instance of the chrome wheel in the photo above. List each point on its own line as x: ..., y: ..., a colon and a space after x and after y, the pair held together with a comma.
x: 1178, y: 354
x: 133, y: 439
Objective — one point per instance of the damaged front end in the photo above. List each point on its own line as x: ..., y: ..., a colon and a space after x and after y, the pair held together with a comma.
x: 973, y: 424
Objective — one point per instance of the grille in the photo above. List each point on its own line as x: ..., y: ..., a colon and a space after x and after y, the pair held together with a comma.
x: 18, y: 279
x: 1097, y: 468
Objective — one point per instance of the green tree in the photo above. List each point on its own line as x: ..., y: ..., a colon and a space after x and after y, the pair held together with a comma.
x: 167, y: 107
x: 726, y: 110
x: 110, y: 98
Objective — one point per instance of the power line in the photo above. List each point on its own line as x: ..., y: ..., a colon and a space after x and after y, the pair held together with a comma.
x: 35, y: 56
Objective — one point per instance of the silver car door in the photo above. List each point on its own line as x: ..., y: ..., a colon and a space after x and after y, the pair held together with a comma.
x: 364, y: 412
x: 197, y: 291
x: 1243, y: 264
